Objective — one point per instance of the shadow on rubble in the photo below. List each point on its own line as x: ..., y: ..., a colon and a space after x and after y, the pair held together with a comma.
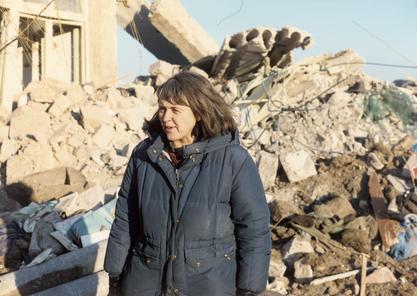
x: 19, y: 192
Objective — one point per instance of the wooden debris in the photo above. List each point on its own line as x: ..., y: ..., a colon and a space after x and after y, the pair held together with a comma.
x: 363, y: 276
x: 386, y: 226
x: 338, y: 276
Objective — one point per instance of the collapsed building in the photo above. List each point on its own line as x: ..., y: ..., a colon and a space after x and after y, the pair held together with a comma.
x: 70, y: 41
x: 335, y: 148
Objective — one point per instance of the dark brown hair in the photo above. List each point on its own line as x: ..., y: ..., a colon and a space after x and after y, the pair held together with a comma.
x: 197, y: 92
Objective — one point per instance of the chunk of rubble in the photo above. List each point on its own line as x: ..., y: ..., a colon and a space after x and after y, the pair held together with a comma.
x: 337, y: 206
x: 298, y: 165
x: 295, y: 248
x: 268, y: 167
x: 81, y: 202
x: 53, y: 184
x: 303, y: 273
x: 381, y: 276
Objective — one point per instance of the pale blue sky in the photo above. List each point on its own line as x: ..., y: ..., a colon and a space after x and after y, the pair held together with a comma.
x: 334, y: 24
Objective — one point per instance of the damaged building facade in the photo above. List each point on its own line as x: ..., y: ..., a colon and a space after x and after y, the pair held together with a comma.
x: 66, y: 40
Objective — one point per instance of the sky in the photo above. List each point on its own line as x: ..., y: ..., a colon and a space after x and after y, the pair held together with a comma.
x: 381, y: 31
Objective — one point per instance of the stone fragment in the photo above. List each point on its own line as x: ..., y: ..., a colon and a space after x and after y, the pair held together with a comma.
x: 162, y: 71
x: 303, y: 273
x: 8, y: 149
x: 92, y: 116
x: 337, y: 206
x: 277, y: 268
x: 146, y: 94
x: 399, y: 184
x: 81, y: 202
x: 103, y: 136
x: 34, y: 158
x: 298, y: 165
x: 74, y: 95
x: 295, y: 248
x: 375, y: 162
x: 29, y: 121
x: 46, y: 90
x: 381, y: 276
x: 53, y: 184
x: 268, y: 167
x: 4, y: 132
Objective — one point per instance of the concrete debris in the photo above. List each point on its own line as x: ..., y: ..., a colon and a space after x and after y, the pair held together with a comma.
x: 298, y: 165
x: 303, y: 273
x: 245, y: 54
x: 268, y: 168
x: 295, y: 248
x: 171, y: 19
x: 381, y: 276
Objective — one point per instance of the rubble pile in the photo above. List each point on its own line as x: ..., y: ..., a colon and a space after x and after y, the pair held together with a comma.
x: 336, y: 151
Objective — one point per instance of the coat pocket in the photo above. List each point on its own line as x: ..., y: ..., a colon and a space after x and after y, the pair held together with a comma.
x: 211, y: 273
x: 148, y: 255
x: 202, y: 260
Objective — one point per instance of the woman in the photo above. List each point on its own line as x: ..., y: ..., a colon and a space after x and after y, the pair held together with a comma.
x: 191, y: 218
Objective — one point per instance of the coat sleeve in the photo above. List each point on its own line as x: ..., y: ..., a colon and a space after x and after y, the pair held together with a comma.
x: 122, y: 232
x: 250, y: 214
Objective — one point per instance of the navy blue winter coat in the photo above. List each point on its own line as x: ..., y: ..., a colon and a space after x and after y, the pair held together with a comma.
x: 200, y: 230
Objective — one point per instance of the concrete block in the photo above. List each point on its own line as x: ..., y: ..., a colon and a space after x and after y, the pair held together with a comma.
x: 277, y: 268
x: 92, y: 116
x: 103, y: 136
x: 84, y: 261
x: 84, y: 201
x: 53, y: 184
x: 134, y: 117
x: 34, y: 158
x: 96, y: 284
x: 162, y: 71
x: 4, y: 133
x: 46, y: 90
x: 337, y: 206
x: 29, y: 121
x: 146, y: 94
x: 268, y: 167
x: 295, y: 248
x: 61, y: 104
x: 8, y: 149
x: 381, y: 276
x: 173, y: 21
x: 298, y: 165
x: 303, y: 273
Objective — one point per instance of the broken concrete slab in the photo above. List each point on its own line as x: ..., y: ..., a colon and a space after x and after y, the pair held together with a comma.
x: 295, y: 248
x: 54, y: 183
x: 268, y: 168
x: 34, y: 158
x: 81, y: 202
x: 74, y: 95
x: 298, y: 165
x: 303, y: 273
x: 94, y: 284
x: 54, y: 272
x: 381, y: 276
x: 103, y: 136
x: 173, y: 21
x: 8, y: 148
x: 337, y: 206
x: 28, y: 121
x: 162, y: 71
x: 46, y: 90
x: 93, y: 116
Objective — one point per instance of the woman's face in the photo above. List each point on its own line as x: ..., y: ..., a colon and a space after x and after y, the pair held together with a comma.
x: 177, y: 122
